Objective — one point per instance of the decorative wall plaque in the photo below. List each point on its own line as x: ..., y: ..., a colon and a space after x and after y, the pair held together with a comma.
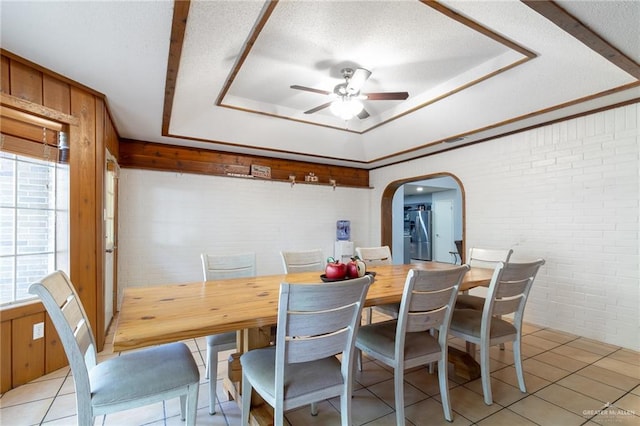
x: 261, y: 171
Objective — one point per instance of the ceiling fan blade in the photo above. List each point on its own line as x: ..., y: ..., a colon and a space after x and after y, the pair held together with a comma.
x: 387, y: 96
x: 363, y: 114
x: 318, y: 108
x: 357, y: 80
x: 310, y: 89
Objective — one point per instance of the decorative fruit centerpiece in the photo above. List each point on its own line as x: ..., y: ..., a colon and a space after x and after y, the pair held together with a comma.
x: 335, y: 269
x: 356, y: 268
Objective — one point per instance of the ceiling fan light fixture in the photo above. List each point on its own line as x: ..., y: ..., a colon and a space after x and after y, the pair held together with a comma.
x: 346, y: 108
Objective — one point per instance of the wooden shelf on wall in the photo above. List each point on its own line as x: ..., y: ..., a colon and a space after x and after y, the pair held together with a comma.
x: 155, y: 156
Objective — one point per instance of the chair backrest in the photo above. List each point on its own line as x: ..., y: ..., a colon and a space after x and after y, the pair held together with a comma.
x: 487, y: 258
x: 509, y: 290
x: 65, y: 309
x: 318, y: 321
x: 428, y: 299
x: 220, y: 267
x: 302, y: 261
x: 373, y: 256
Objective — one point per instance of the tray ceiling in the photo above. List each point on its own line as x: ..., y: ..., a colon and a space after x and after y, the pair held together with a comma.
x: 473, y: 69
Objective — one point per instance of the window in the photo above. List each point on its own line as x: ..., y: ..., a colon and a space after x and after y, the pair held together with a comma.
x: 34, y: 223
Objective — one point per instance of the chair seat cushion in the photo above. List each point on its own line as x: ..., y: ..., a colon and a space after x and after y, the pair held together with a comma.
x: 259, y: 366
x: 221, y: 339
x: 468, y: 321
x: 467, y: 301
x: 381, y: 338
x: 147, y: 372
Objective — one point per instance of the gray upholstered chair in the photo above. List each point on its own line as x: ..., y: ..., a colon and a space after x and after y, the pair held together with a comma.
x: 220, y: 267
x: 508, y: 293
x: 373, y: 256
x: 419, y: 335
x: 315, y: 323
x: 127, y: 381
x: 303, y: 261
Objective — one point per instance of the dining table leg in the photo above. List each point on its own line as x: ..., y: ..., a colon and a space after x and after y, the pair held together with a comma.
x: 464, y: 365
x: 251, y: 338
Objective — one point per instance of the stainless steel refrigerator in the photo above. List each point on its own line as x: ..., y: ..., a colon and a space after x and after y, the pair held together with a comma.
x: 421, y: 242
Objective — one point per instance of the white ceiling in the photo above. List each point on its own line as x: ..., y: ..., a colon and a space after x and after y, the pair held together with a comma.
x: 472, y: 68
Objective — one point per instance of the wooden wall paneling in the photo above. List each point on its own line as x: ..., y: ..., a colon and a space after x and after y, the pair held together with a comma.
x: 111, y: 136
x: 153, y: 156
x: 26, y: 82
x: 54, y: 357
x: 5, y: 356
x: 27, y: 354
x: 13, y: 58
x: 5, y: 86
x: 100, y: 164
x: 25, y: 87
x: 55, y: 94
x: 82, y: 204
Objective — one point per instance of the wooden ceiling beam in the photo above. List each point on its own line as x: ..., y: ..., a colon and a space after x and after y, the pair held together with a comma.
x: 567, y: 22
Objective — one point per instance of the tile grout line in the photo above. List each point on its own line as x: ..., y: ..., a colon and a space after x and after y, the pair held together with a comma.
x: 550, y: 382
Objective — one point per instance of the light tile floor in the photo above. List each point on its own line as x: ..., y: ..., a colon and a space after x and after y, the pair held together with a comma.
x: 570, y: 381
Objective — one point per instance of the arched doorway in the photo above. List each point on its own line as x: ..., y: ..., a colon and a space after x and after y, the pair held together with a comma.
x: 393, y: 210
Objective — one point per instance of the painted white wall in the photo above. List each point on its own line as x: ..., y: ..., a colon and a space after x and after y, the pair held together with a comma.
x: 568, y: 193
x: 167, y: 219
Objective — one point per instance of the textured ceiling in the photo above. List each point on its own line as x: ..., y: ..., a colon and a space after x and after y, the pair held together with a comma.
x: 473, y: 69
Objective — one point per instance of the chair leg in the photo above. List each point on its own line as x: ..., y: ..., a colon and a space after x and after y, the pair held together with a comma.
x: 471, y: 349
x: 345, y: 407
x: 212, y: 368
x: 369, y: 315
x: 443, y: 380
x: 192, y: 404
x: 278, y: 416
x: 501, y: 344
x: 398, y: 379
x: 434, y: 333
x: 314, y: 409
x: 246, y: 400
x: 85, y: 415
x: 359, y: 358
x: 517, y: 357
x: 183, y: 407
x: 485, y: 373
x: 206, y: 371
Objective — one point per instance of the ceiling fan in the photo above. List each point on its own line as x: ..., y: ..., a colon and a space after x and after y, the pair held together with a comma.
x: 349, y: 99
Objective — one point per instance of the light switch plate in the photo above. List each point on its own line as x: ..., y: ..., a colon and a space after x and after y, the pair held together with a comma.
x: 38, y: 331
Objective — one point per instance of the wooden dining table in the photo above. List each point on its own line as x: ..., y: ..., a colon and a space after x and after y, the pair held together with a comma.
x: 167, y: 313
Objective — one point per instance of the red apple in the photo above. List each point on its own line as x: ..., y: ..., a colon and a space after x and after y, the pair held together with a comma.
x: 356, y: 268
x: 352, y: 269
x: 335, y: 270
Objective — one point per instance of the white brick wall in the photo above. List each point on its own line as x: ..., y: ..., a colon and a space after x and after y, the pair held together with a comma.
x: 569, y: 193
